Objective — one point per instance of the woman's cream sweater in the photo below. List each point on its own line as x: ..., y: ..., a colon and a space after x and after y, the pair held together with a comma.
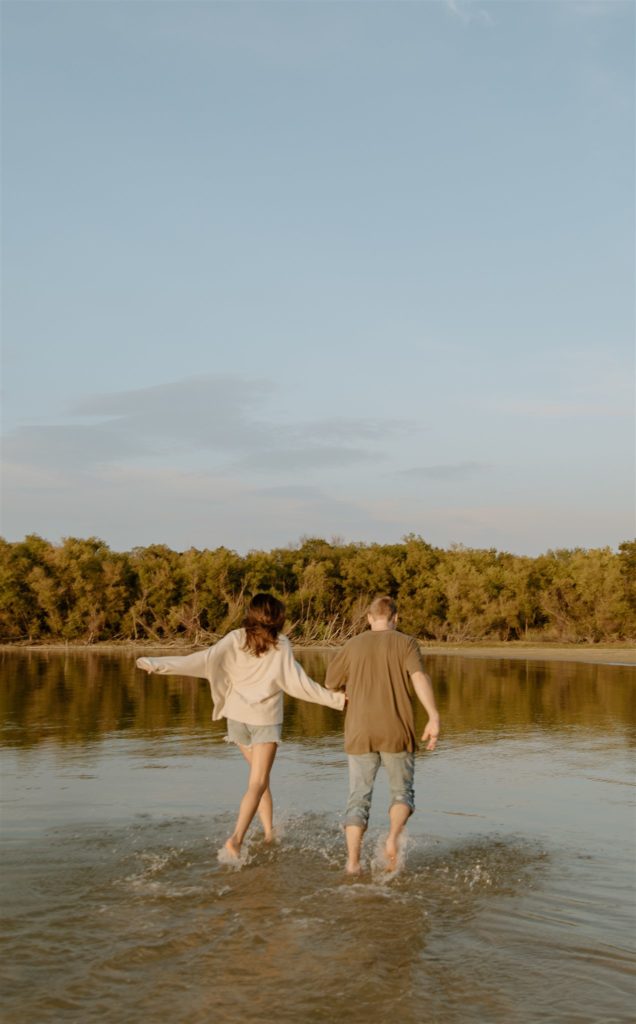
x: 245, y: 687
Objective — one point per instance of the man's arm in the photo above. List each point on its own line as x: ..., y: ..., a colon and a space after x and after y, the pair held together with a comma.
x: 424, y: 691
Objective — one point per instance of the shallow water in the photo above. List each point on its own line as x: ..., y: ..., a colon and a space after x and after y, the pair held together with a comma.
x: 515, y: 901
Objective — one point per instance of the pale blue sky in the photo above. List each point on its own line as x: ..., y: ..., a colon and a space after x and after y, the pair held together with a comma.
x: 351, y: 269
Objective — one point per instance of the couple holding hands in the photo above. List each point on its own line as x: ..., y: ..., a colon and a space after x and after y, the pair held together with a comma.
x: 373, y: 674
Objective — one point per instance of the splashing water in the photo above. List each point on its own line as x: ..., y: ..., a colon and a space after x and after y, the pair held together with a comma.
x: 381, y: 863
x: 230, y: 860
x: 512, y: 908
x: 160, y: 930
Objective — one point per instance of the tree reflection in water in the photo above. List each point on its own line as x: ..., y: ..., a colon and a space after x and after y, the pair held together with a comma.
x: 75, y: 697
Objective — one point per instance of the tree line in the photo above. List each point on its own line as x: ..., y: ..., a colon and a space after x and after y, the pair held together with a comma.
x: 81, y: 591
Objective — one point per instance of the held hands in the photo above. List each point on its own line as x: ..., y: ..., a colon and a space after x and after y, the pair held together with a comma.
x: 144, y: 664
x: 431, y: 733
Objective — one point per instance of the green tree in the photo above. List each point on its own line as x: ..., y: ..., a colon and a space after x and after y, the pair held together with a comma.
x: 211, y: 594
x: 627, y: 562
x: 421, y: 596
x: 582, y: 595
x: 80, y: 590
x: 465, y: 578
x: 159, y: 586
x: 22, y: 615
x: 91, y: 589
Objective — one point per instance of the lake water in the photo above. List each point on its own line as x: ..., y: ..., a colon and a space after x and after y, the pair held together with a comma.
x: 515, y: 902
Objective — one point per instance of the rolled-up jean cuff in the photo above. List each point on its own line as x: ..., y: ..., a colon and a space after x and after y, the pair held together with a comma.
x: 354, y: 819
x: 403, y: 800
x: 363, y: 769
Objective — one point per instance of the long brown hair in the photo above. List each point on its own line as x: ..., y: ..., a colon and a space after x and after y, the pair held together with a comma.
x: 264, y: 619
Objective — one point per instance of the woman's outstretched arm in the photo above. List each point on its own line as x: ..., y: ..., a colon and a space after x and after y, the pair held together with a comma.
x: 295, y: 681
x: 189, y: 665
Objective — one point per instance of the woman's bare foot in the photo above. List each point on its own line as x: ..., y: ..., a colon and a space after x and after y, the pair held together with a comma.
x: 353, y: 869
x: 232, y: 849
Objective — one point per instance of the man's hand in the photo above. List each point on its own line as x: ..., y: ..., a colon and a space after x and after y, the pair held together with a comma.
x: 144, y: 664
x: 431, y: 733
x: 424, y: 690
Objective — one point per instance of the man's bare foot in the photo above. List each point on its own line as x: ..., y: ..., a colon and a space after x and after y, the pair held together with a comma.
x: 269, y: 837
x: 391, y: 854
x: 353, y: 869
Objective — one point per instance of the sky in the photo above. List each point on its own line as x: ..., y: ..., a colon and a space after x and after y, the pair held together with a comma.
x: 349, y: 270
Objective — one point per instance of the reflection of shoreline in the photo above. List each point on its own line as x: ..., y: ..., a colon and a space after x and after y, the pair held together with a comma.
x: 596, y: 655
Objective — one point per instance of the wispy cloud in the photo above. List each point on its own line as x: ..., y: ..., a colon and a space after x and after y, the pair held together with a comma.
x: 213, y: 412
x: 594, y: 8
x: 128, y: 505
x: 307, y: 458
x: 468, y: 12
x: 546, y: 409
x: 291, y: 491
x: 237, y: 421
x: 455, y: 471
x: 69, y: 447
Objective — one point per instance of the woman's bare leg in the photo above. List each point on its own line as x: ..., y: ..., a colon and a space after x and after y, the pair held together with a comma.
x: 265, y: 809
x: 263, y: 755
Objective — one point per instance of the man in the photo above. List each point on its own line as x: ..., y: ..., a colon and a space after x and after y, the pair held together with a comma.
x: 374, y: 668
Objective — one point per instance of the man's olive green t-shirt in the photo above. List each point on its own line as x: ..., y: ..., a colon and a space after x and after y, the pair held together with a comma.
x: 374, y: 668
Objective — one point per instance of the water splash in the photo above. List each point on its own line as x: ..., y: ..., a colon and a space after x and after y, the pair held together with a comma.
x: 380, y: 865
x: 282, y: 926
x: 229, y: 860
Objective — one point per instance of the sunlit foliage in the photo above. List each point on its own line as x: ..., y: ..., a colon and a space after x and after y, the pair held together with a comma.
x: 81, y: 591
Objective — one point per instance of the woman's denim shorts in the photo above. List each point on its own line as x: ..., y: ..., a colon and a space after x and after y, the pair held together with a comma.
x: 247, y: 735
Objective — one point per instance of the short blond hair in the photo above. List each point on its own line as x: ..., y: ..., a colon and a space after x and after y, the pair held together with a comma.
x: 382, y: 607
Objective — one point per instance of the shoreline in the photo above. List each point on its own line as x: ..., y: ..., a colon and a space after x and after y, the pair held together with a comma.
x: 624, y: 656
x: 588, y: 654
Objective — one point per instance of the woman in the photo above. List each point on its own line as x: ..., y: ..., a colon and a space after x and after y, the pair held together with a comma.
x: 248, y: 671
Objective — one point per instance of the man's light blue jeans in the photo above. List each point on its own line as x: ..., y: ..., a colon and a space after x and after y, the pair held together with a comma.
x: 363, y: 769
